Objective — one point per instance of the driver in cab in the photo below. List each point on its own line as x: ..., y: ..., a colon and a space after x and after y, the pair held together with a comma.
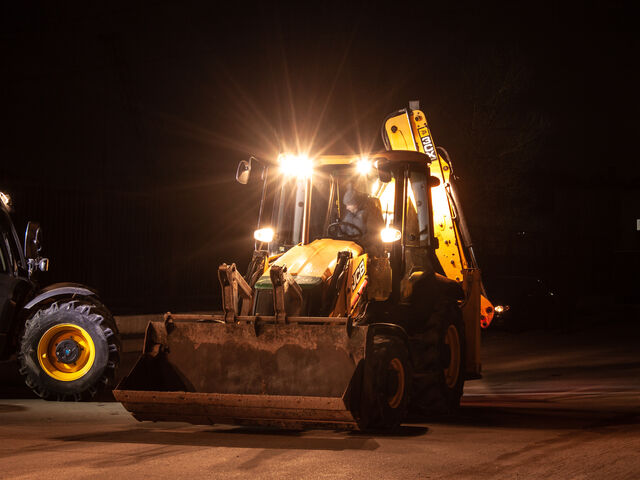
x: 363, y: 221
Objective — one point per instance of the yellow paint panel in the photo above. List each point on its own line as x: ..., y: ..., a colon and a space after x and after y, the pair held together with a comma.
x: 400, y: 133
x: 486, y: 311
x: 316, y: 259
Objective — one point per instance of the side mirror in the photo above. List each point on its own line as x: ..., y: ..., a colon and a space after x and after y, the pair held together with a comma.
x: 32, y: 240
x: 244, y: 171
x: 384, y: 176
x: 33, y: 247
x: 433, y: 181
x: 384, y: 171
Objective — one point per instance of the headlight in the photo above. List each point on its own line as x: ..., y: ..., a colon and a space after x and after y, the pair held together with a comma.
x: 364, y: 166
x: 390, y: 234
x: 501, y: 308
x: 299, y: 166
x: 4, y: 198
x: 264, y: 235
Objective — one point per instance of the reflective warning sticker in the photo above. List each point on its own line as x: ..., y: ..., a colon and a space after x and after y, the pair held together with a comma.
x: 427, y: 145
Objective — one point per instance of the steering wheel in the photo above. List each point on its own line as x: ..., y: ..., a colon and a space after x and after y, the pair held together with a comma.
x: 334, y: 230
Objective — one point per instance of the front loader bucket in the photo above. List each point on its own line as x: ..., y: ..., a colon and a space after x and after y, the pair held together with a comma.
x: 254, y: 371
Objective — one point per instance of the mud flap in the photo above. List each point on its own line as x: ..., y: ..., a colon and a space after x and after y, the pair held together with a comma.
x: 251, y: 372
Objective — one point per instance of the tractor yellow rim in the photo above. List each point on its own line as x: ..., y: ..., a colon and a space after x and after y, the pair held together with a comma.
x: 66, y: 352
x: 396, y: 366
x: 452, y: 372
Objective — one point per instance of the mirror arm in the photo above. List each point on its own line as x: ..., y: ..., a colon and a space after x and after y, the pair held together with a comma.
x: 265, y: 171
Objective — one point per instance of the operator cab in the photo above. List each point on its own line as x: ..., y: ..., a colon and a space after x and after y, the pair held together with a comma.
x: 343, y: 197
x: 378, y: 206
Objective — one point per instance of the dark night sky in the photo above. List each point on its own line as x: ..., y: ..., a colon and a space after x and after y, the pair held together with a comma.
x: 123, y: 126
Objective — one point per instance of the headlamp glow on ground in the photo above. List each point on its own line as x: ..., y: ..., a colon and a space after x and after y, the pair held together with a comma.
x: 4, y: 198
x: 390, y: 234
x: 264, y: 235
x: 299, y: 166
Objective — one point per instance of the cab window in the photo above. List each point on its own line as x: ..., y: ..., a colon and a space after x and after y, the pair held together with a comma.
x: 417, y: 221
x: 416, y: 235
x: 385, y: 193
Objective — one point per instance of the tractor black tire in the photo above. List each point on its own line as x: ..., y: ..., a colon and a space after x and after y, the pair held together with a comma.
x: 386, y: 384
x: 97, y: 348
x: 439, y: 355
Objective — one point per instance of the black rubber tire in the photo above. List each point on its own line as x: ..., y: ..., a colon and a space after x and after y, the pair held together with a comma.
x: 382, y: 383
x: 97, y: 321
x: 431, y: 395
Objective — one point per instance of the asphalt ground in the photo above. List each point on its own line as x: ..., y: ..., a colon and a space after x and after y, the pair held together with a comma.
x: 562, y: 404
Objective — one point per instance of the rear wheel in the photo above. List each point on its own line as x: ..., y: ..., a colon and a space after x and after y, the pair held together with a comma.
x: 69, y: 350
x: 439, y: 383
x: 387, y: 378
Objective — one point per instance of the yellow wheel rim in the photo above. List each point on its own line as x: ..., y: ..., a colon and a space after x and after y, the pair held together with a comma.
x: 396, y: 366
x: 452, y: 372
x: 66, y: 352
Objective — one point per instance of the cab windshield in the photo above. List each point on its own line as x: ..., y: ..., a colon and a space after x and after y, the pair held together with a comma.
x: 343, y: 203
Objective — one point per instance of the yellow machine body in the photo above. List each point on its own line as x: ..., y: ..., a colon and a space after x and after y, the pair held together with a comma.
x: 315, y: 262
x: 316, y: 259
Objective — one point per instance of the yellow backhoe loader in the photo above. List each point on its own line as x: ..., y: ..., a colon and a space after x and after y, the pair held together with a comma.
x: 346, y: 317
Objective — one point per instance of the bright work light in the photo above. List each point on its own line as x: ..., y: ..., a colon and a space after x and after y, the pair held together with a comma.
x: 4, y: 198
x: 264, y: 235
x: 299, y: 166
x: 364, y: 166
x: 390, y: 234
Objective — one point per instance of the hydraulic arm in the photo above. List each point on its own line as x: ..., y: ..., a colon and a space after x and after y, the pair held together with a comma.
x: 407, y: 129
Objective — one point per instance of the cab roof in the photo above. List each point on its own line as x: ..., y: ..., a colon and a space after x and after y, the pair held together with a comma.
x: 394, y: 156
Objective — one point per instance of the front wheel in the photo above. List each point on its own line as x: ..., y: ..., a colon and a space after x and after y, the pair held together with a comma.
x: 439, y: 383
x: 386, y: 386
x: 69, y: 350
